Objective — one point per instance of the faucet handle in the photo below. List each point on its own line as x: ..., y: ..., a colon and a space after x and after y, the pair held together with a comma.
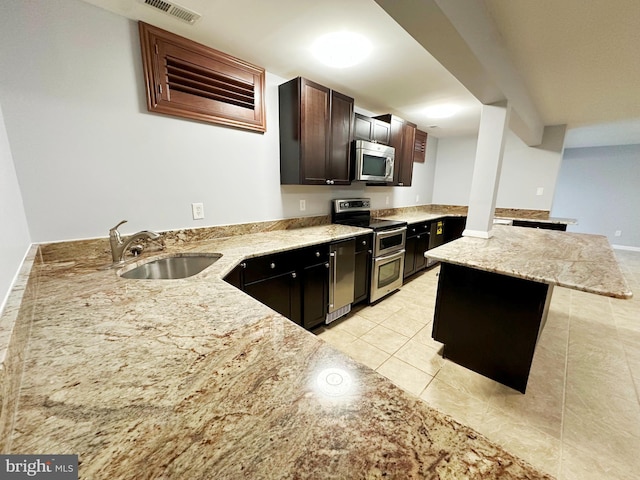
x: 114, y: 229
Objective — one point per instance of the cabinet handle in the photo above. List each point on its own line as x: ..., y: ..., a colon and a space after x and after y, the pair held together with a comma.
x: 273, y: 265
x: 326, y: 265
x: 293, y: 275
x: 364, y: 242
x: 328, y: 182
x: 317, y: 254
x: 401, y: 184
x: 418, y: 236
x: 243, y: 265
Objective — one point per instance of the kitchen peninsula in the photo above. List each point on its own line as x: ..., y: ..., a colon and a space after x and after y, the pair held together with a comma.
x: 493, y: 294
x: 192, y: 378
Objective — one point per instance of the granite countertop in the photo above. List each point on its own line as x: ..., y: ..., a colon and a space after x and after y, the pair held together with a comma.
x: 423, y: 216
x: 573, y: 260
x: 192, y: 378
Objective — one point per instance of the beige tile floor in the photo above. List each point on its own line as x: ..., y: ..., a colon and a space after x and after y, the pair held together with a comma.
x: 580, y: 416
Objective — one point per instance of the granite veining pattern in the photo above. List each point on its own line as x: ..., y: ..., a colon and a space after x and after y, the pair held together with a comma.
x: 191, y: 378
x: 573, y: 260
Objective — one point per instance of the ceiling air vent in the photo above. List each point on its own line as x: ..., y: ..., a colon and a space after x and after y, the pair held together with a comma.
x: 174, y: 10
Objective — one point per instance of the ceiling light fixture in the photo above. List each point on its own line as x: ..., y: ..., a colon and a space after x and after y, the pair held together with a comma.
x: 442, y: 111
x: 341, y: 49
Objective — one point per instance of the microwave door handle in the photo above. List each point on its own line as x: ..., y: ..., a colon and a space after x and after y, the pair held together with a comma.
x: 389, y: 166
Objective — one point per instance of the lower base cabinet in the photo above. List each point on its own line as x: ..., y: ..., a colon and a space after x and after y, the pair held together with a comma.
x: 417, y: 243
x: 545, y: 225
x: 282, y: 293
x: 315, y: 294
x: 295, y: 283
x: 362, y: 269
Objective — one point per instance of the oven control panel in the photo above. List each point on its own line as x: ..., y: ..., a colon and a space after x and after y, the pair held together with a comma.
x: 352, y: 205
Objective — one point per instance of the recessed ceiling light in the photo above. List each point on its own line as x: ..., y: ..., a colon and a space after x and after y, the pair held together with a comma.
x: 341, y: 49
x: 442, y: 111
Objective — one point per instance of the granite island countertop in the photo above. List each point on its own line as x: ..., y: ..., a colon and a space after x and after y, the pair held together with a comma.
x: 192, y: 378
x: 573, y: 260
x: 424, y: 216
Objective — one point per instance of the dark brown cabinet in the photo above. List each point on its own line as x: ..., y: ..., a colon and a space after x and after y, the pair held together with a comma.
x: 371, y: 129
x: 293, y: 283
x: 403, y: 137
x: 545, y: 225
x: 362, y: 268
x: 316, y: 130
x: 454, y: 226
x: 417, y: 243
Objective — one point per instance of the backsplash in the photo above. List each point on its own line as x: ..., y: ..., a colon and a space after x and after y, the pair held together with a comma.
x: 97, y: 249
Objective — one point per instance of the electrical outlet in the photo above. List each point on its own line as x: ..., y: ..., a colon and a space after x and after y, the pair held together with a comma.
x: 303, y: 205
x: 197, y: 209
x: 386, y: 200
x: 417, y: 198
x: 540, y: 191
x: 618, y: 233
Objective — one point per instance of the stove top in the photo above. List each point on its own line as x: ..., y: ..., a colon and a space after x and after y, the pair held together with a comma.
x: 356, y: 212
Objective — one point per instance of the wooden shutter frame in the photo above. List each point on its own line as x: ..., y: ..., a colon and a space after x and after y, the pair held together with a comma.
x: 155, y: 43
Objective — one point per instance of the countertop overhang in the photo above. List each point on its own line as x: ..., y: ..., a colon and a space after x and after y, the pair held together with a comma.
x: 573, y: 260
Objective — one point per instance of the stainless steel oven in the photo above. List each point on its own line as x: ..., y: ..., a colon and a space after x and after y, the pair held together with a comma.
x: 386, y: 274
x: 389, y: 241
x: 389, y: 236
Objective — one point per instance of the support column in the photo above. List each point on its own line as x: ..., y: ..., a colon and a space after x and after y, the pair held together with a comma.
x: 486, y: 171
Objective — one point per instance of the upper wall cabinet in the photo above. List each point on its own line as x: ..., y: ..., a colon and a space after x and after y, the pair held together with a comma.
x: 403, y: 137
x: 316, y: 130
x: 189, y: 80
x: 372, y: 129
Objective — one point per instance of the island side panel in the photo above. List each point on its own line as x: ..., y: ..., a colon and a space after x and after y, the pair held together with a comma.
x: 489, y: 322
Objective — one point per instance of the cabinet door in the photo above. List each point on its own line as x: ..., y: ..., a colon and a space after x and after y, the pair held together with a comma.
x: 409, y: 256
x: 362, y: 127
x: 405, y: 161
x: 281, y: 293
x: 422, y: 245
x: 341, y: 126
x: 314, y: 131
x: 315, y: 286
x: 381, y: 132
x: 362, y: 275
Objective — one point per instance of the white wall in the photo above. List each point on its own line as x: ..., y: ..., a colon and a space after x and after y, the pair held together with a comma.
x: 88, y: 154
x: 15, y: 240
x: 600, y: 187
x: 524, y: 169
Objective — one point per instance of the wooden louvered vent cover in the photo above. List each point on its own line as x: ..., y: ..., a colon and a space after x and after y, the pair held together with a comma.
x: 190, y: 80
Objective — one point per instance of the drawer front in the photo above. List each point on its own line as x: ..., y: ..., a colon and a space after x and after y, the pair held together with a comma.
x: 268, y: 266
x: 312, y: 255
x: 363, y: 243
x: 419, y: 228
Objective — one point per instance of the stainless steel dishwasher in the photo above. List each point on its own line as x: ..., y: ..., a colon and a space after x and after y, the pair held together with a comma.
x: 342, y: 265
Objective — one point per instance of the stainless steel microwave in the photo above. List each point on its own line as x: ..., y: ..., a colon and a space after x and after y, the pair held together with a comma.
x: 373, y: 162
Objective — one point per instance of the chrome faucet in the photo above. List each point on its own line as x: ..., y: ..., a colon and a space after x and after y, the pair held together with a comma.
x: 119, y: 246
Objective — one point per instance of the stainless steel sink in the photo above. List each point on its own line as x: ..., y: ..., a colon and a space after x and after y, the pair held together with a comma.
x: 170, y: 268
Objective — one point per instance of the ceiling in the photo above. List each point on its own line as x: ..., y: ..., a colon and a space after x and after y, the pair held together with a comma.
x: 558, y: 62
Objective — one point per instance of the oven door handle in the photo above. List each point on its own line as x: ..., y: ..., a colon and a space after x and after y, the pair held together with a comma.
x: 390, y: 256
x: 390, y: 233
x: 333, y: 272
